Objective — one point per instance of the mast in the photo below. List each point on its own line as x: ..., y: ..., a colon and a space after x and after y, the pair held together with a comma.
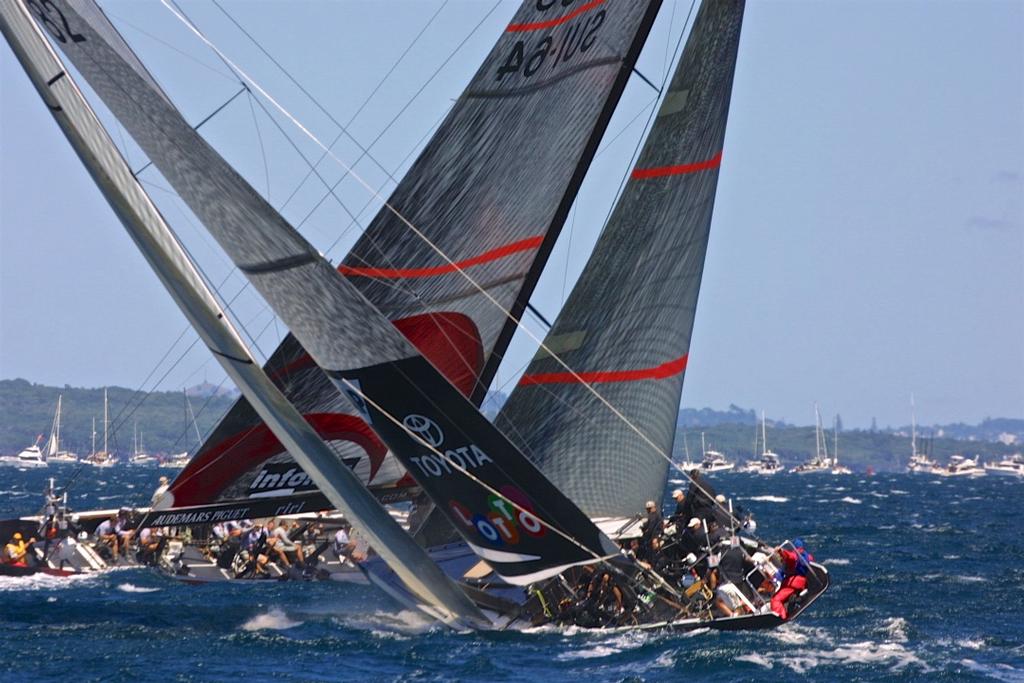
x: 173, y: 267
x: 106, y: 422
x: 764, y: 433
x: 817, y: 433
x: 913, y: 429
x: 93, y: 453
x: 835, y: 441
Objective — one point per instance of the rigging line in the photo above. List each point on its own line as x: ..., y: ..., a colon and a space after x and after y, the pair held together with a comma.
x: 359, y: 110
x: 456, y: 268
x: 646, y: 80
x: 166, y: 44
x: 540, y: 316
x: 263, y: 149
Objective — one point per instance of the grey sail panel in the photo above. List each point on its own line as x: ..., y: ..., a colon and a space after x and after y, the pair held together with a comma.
x: 626, y: 327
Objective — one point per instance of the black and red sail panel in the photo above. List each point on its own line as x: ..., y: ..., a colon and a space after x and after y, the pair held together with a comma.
x: 625, y: 329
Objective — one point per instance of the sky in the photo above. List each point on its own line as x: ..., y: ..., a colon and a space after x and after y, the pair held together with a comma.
x: 867, y: 241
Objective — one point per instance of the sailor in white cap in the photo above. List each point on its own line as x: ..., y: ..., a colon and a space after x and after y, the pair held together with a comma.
x: 679, y: 516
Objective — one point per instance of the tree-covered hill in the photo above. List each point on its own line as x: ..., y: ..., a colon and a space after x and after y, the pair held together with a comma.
x: 26, y: 410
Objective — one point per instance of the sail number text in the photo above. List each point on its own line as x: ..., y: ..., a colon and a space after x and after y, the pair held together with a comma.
x: 578, y: 37
x: 54, y: 21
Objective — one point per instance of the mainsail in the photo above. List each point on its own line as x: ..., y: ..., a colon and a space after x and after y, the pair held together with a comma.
x: 625, y: 329
x: 491, y: 190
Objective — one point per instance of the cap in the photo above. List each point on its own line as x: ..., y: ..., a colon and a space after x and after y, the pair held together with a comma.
x: 650, y: 504
x: 677, y: 492
x: 690, y: 559
x: 759, y: 558
x: 163, y: 480
x: 694, y: 521
x: 17, y: 536
x: 798, y: 543
x: 720, y: 498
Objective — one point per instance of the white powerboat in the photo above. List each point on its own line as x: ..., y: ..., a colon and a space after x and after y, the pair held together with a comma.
x: 1012, y: 465
x: 959, y: 466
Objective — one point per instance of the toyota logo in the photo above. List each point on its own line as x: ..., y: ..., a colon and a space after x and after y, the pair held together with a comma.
x: 425, y: 428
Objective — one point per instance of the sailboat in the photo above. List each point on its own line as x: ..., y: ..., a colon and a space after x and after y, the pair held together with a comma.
x: 769, y: 462
x: 139, y: 455
x: 713, y: 461
x: 820, y: 462
x: 836, y: 467
x: 919, y: 462
x: 526, y: 503
x: 54, y: 452
x: 103, y: 458
x: 34, y: 456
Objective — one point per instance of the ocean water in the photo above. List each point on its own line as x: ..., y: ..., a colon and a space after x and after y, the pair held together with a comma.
x: 928, y: 584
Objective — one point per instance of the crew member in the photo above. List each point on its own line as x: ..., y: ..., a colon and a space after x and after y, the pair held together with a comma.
x: 16, y: 551
x: 653, y: 525
x: 679, y: 516
x: 796, y: 564
x: 106, y: 534
x: 160, y: 491
x: 344, y: 546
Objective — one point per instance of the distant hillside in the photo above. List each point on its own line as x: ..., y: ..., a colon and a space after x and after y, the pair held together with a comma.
x: 27, y: 410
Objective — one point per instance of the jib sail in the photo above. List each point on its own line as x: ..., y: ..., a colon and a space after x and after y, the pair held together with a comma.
x: 625, y: 329
x: 491, y: 190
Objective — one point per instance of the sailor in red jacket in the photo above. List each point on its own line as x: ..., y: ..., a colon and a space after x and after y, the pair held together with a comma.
x: 796, y: 564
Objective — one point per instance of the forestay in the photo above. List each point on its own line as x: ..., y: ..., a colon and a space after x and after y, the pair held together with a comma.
x: 625, y: 329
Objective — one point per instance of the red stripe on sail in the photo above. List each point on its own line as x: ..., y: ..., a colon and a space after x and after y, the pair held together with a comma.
x: 513, y: 28
x: 486, y: 257
x: 681, y: 169
x: 663, y: 371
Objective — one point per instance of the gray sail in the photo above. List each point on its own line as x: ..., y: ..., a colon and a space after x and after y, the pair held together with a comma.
x: 172, y: 265
x: 626, y: 327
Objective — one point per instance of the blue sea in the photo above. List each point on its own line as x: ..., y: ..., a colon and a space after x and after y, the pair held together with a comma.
x: 928, y: 584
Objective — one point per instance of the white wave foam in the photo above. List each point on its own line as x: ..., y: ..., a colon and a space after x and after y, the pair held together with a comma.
x: 894, y: 654
x: 51, y: 599
x: 970, y: 579
x: 848, y: 499
x: 43, y: 582
x: 620, y: 642
x: 760, y: 660
x: 132, y: 588
x: 899, y: 492
x: 391, y: 625
x: 837, y: 562
x: 951, y: 557
x: 769, y: 499
x: 878, y: 495
x: 274, y: 620
x: 1000, y: 672
x: 971, y: 644
x: 896, y: 627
